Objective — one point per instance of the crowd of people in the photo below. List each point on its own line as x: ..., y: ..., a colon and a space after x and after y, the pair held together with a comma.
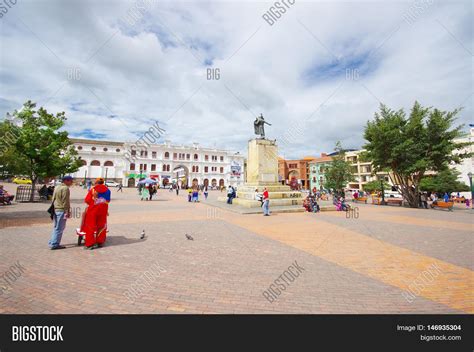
x: 94, y: 218
x: 429, y: 199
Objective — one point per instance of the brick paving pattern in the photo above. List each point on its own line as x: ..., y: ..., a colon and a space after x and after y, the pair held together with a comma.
x: 351, y: 265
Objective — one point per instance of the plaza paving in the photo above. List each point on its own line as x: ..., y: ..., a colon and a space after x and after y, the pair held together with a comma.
x: 351, y: 265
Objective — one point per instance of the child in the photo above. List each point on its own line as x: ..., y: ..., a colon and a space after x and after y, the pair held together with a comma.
x: 190, y: 192
x: 258, y: 197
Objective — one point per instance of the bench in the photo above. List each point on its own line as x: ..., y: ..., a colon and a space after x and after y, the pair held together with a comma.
x: 459, y: 200
x: 398, y: 201
x: 378, y: 200
x: 443, y: 205
x: 360, y: 199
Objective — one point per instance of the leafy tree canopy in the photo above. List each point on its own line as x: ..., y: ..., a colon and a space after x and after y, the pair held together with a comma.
x: 36, y: 146
x: 411, y: 145
x: 444, y: 181
x: 373, y: 186
x: 338, y: 173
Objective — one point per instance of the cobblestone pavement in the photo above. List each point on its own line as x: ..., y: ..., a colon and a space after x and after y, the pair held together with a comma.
x: 380, y: 260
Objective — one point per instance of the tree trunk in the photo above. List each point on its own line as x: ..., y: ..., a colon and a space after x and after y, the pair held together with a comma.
x: 33, y: 189
x: 409, y: 193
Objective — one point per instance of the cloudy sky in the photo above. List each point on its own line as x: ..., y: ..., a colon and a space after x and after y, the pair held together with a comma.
x: 317, y: 74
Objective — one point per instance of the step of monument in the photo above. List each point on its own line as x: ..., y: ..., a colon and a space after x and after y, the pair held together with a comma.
x: 251, y: 203
x: 272, y: 195
x: 270, y: 188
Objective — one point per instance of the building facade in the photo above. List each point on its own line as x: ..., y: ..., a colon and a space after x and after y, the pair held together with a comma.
x: 295, y: 173
x: 167, y: 163
x: 317, y: 171
x: 362, y: 171
x: 467, y: 165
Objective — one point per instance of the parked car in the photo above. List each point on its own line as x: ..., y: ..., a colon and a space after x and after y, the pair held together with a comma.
x: 111, y: 184
x: 54, y: 183
x: 22, y: 181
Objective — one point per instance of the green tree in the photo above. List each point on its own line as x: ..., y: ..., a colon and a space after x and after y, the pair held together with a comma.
x: 444, y: 181
x: 39, y: 148
x: 338, y: 173
x: 9, y: 133
x: 373, y: 186
x: 411, y: 146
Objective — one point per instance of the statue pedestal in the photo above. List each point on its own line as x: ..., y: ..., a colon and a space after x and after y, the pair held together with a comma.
x: 262, y: 171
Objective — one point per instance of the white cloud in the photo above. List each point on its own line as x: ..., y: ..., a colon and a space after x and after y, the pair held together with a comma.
x: 156, y: 68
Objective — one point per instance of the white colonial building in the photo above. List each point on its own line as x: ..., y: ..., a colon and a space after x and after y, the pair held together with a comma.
x: 467, y: 165
x: 165, y: 162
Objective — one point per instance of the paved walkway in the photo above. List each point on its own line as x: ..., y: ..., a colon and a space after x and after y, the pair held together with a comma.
x: 378, y: 260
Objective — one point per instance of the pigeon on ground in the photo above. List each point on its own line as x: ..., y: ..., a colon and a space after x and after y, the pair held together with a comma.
x: 142, y: 235
x: 189, y: 237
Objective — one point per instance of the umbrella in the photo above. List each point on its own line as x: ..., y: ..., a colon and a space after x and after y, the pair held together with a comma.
x: 147, y: 180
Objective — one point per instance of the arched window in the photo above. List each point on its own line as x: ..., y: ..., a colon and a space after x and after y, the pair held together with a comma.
x: 117, y: 150
x: 79, y: 147
x: 108, y: 163
x: 105, y: 149
x: 167, y: 168
x: 196, y: 157
x: 167, y: 156
x: 95, y: 163
x: 93, y: 148
x: 84, y: 163
x: 132, y: 167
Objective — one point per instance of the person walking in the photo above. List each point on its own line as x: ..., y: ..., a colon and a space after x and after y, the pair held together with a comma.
x: 152, y: 190
x: 145, y: 193
x: 230, y: 194
x: 177, y: 189
x: 266, y: 202
x: 62, y: 211
x: 206, y: 192
x: 119, y: 188
x: 195, y: 194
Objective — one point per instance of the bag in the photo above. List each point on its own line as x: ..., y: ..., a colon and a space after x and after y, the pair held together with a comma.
x: 51, y: 211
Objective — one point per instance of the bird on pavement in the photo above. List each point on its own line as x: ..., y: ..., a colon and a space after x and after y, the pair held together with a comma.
x: 142, y: 235
x: 189, y: 237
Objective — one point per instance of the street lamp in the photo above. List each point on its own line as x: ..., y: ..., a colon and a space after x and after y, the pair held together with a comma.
x: 470, y: 185
x: 106, y: 171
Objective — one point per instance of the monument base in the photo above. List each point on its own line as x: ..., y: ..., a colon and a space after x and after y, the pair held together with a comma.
x: 262, y: 171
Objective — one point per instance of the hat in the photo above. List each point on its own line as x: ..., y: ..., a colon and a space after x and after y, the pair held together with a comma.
x: 67, y: 178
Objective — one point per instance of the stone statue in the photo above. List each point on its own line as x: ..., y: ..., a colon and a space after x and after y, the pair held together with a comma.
x: 258, y: 125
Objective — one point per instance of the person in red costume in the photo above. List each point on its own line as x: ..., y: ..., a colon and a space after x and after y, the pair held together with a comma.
x: 95, y: 219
